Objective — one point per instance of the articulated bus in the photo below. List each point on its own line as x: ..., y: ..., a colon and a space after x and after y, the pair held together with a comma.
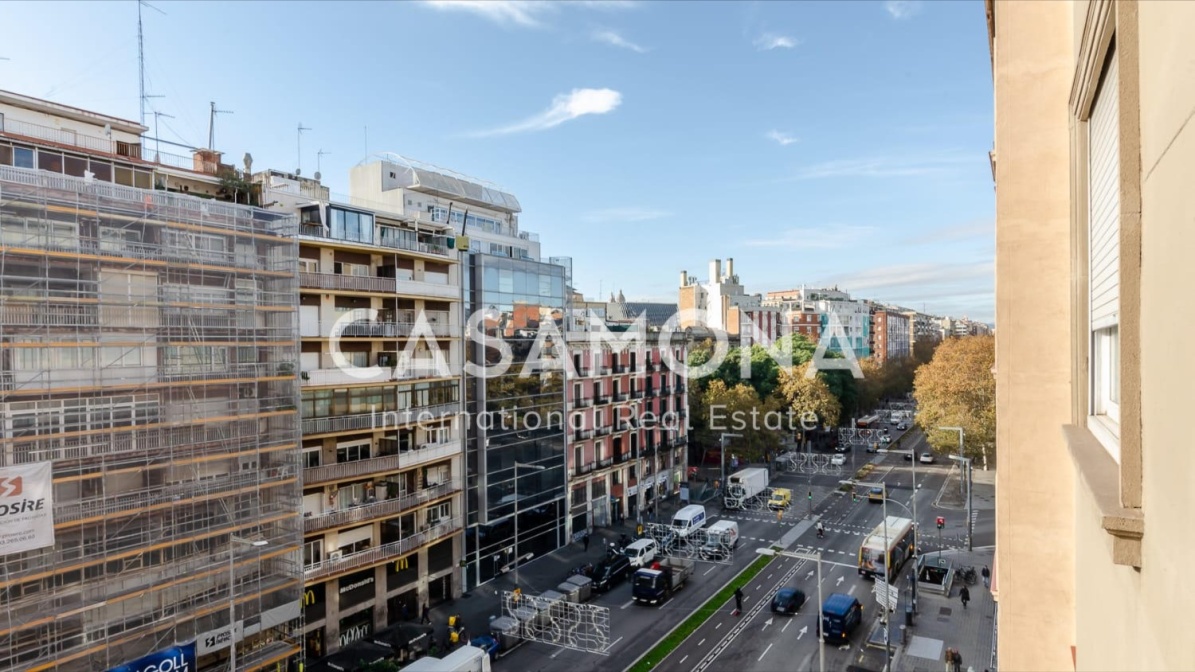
x: 869, y: 421
x: 872, y: 558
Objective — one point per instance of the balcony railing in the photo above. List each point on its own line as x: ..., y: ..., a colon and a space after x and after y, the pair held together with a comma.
x: 378, y: 420
x: 622, y: 396
x: 583, y: 402
x: 636, y: 394
x: 600, y: 399
x: 385, y: 507
x: 380, y: 554
x: 381, y: 329
x: 354, y: 375
x: 619, y: 368
x: 603, y: 431
x: 352, y: 283
x: 607, y: 462
x: 679, y: 389
x: 582, y: 434
x: 71, y: 138
x: 420, y: 285
x: 376, y: 465
x: 403, y: 243
x: 664, y: 391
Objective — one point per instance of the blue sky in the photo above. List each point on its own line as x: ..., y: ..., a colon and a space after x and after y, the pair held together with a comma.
x: 814, y: 142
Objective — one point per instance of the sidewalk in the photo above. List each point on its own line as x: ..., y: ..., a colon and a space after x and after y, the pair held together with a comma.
x: 953, y: 493
x: 942, y: 623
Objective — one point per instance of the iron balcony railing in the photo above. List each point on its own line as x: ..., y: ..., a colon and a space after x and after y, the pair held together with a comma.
x: 353, y: 283
x: 582, y: 434
x: 622, y: 396
x: 385, y: 507
x: 636, y: 394
x: 582, y: 402
x: 604, y: 430
x: 601, y: 399
x: 383, y: 553
x: 379, y: 420
x: 382, y: 463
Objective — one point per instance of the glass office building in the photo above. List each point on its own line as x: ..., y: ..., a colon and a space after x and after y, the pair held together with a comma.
x: 515, y: 417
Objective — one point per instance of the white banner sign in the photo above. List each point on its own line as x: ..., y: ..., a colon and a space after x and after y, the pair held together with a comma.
x: 26, y: 508
x: 220, y: 638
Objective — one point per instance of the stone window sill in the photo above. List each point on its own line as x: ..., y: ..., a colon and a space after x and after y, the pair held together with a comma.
x: 1100, y: 474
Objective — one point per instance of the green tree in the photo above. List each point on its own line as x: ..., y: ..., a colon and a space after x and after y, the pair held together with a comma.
x: 739, y: 410
x: 806, y: 395
x: 957, y: 389
x: 874, y: 384
x: 796, y: 346
x: 765, y: 374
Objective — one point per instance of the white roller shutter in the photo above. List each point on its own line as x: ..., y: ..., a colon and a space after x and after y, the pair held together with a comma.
x: 1104, y: 201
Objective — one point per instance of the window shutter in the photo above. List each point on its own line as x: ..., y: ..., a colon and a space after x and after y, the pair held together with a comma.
x: 1104, y: 200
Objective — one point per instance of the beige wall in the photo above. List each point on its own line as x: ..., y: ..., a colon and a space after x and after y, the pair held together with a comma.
x: 1034, y: 62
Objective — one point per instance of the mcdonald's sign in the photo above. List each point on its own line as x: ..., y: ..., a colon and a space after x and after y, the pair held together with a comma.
x: 402, y: 563
x: 314, y: 603
x: 402, y: 571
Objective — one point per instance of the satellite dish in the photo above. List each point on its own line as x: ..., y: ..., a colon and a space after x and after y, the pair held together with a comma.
x: 298, y: 172
x: 108, y: 130
x: 317, y: 176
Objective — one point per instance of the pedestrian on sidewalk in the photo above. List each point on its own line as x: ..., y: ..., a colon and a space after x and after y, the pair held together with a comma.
x: 987, y: 577
x: 958, y: 661
x: 738, y: 601
x: 949, y: 658
x: 425, y: 617
x: 586, y: 540
x: 965, y: 596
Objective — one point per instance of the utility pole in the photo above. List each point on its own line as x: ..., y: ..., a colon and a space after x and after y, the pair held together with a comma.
x: 965, y: 481
x: 158, y: 136
x: 211, y: 125
x: 722, y: 440
x: 299, y: 146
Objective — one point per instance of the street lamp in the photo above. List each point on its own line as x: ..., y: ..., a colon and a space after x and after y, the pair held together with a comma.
x: 816, y: 558
x: 234, y: 541
x: 722, y: 441
x: 887, y: 565
x: 966, y: 480
x: 518, y: 558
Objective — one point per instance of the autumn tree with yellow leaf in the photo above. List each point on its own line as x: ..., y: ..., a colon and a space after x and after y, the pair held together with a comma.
x: 957, y: 389
x: 739, y: 410
x: 809, y: 395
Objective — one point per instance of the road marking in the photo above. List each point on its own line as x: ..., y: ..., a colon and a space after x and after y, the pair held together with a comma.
x: 712, y: 568
x: 769, y: 576
x: 786, y: 625
x: 629, y: 603
x: 611, y: 646
x: 765, y: 652
x: 718, y: 625
x: 852, y: 590
x: 558, y: 652
x: 682, y: 660
x: 759, y: 586
x: 701, y: 642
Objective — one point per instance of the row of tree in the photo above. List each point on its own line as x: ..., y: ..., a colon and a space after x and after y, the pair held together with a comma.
x: 778, y: 387
x: 957, y: 388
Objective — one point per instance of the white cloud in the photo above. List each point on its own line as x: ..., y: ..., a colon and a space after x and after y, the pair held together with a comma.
x: 521, y: 12
x: 784, y: 139
x: 625, y: 215
x: 769, y: 41
x: 903, y: 9
x: 615, y: 40
x: 890, y: 166
x: 565, y: 107
x: 947, y: 288
x: 810, y: 238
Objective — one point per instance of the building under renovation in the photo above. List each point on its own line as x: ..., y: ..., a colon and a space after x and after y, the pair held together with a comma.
x: 148, y: 353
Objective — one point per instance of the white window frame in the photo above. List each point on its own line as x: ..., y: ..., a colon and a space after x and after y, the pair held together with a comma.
x: 1103, y: 256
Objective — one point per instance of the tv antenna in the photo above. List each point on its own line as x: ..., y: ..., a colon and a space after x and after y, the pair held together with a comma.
x: 211, y: 125
x: 299, y: 145
x: 158, y: 136
x: 141, y: 55
x: 319, y: 155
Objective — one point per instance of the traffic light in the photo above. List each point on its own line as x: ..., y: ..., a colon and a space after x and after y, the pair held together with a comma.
x: 941, y: 522
x: 854, y: 496
x: 811, y: 495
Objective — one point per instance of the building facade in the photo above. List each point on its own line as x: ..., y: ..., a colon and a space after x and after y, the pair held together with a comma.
x: 889, y: 334
x: 382, y: 452
x: 149, y: 363
x: 725, y: 306
x: 1092, y: 163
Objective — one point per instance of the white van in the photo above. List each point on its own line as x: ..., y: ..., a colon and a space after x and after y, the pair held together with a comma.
x: 641, y: 553
x: 691, y: 517
x: 722, y: 537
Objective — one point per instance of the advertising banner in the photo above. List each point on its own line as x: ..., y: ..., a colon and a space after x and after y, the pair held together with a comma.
x: 26, y: 508
x: 175, y: 659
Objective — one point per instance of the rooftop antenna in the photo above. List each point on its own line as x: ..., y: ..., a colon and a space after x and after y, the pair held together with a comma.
x: 211, y: 125
x: 319, y: 155
x: 157, y: 136
x: 299, y: 145
x: 141, y: 55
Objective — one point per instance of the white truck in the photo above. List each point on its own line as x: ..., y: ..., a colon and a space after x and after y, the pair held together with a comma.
x: 744, y: 485
x: 464, y: 659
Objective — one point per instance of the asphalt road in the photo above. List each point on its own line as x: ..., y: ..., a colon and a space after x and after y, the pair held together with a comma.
x: 760, y: 641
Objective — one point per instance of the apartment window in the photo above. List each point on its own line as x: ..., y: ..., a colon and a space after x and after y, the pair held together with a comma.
x: 352, y: 452
x: 358, y: 270
x: 439, y: 512
x: 22, y: 157
x: 311, y: 456
x: 353, y: 226
x: 309, y: 266
x: 1103, y: 203
x: 313, y: 552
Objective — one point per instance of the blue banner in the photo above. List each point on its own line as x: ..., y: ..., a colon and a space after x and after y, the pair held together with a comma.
x: 175, y: 659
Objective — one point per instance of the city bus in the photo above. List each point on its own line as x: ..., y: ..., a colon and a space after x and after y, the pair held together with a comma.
x: 872, y: 558
x: 866, y: 422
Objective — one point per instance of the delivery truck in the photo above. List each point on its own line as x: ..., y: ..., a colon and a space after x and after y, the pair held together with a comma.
x: 656, y: 584
x: 745, y: 485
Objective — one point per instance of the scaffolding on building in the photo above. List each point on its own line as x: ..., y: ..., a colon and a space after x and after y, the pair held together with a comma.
x: 148, y: 350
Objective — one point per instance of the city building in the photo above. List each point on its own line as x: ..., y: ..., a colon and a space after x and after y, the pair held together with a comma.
x: 922, y: 328
x: 833, y: 308
x: 1092, y: 163
x: 656, y: 314
x: 627, y: 431
x: 725, y: 306
x: 889, y: 334
x: 380, y: 366
x: 148, y: 371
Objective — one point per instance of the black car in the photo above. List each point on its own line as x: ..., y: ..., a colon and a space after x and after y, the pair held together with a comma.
x: 610, y: 572
x: 787, y: 601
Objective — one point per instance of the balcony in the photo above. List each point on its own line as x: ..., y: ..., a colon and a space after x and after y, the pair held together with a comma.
x: 378, y: 420
x: 622, y: 397
x: 601, y: 399
x: 356, y: 375
x: 386, y: 507
x: 397, y: 242
x: 583, y: 402
x: 603, y: 431
x: 380, y: 554
x: 384, y: 463
x: 619, y: 368
x: 349, y: 283
x: 427, y: 284
x: 679, y: 389
x: 582, y: 469
x: 637, y: 394
x: 365, y: 329
x: 607, y: 462
x: 665, y: 391
x: 582, y: 434
x: 679, y: 441
x: 605, y: 370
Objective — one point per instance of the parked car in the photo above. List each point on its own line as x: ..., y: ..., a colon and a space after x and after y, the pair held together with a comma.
x: 838, y: 460
x: 610, y: 573
x: 787, y: 601
x: 908, y: 457
x: 875, y: 495
x: 927, y: 458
